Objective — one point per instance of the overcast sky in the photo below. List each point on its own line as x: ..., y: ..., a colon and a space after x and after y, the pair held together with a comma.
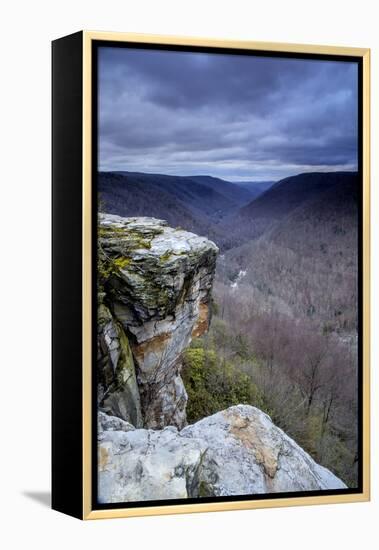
x: 235, y: 117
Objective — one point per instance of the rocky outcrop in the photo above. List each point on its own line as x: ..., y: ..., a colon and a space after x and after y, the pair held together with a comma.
x: 238, y: 451
x: 154, y: 294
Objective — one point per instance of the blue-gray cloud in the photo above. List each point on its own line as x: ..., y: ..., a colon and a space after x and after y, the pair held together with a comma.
x: 232, y: 116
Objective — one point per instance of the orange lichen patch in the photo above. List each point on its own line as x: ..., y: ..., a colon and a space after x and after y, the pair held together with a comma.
x: 202, y: 323
x: 103, y: 458
x: 251, y: 437
x: 155, y: 345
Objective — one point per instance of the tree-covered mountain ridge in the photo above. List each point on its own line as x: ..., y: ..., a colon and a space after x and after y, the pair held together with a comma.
x: 197, y: 203
x: 225, y: 212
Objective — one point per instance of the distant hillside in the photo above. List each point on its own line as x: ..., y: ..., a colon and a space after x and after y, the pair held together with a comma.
x: 132, y: 196
x: 256, y: 188
x: 278, y: 201
x: 211, y: 196
x: 197, y: 203
x: 218, y: 209
x: 308, y: 248
x: 323, y: 220
x: 236, y: 194
x: 289, y: 193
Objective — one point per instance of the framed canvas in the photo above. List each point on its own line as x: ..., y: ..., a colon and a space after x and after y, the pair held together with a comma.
x: 210, y: 275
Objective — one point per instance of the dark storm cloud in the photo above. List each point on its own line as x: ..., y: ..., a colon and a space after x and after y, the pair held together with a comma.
x: 229, y: 116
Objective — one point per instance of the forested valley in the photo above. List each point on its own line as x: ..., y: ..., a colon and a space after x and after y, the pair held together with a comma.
x: 283, y: 335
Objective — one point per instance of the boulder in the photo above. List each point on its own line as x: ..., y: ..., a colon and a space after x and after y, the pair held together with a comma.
x: 238, y: 451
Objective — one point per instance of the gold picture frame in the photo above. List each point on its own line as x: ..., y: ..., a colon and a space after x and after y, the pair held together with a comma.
x: 84, y: 509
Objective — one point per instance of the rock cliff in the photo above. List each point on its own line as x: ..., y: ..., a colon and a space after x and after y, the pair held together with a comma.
x: 238, y: 451
x: 154, y: 294
x: 154, y: 291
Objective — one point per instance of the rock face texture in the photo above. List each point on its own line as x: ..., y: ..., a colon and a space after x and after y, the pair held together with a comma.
x: 118, y: 392
x: 234, y: 452
x: 154, y: 293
